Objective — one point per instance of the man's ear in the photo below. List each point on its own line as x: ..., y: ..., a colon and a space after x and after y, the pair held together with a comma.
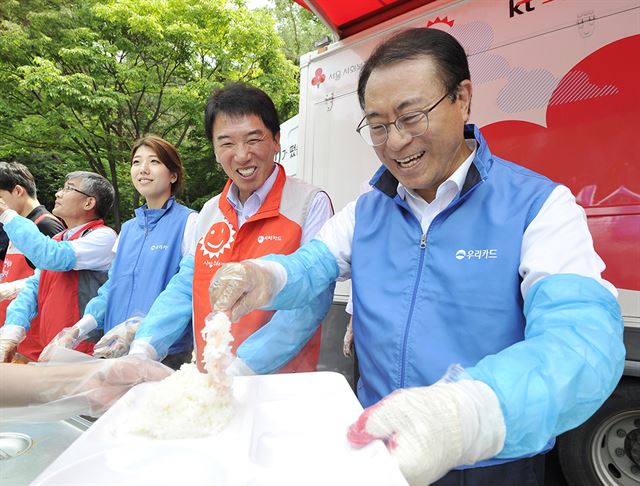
x: 90, y: 204
x: 464, y: 94
x: 18, y: 191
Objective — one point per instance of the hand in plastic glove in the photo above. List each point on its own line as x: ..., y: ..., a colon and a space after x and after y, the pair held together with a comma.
x: 239, y: 288
x: 10, y: 337
x: 68, y: 338
x: 56, y: 391
x: 117, y: 341
x: 433, y: 429
x: 8, y: 290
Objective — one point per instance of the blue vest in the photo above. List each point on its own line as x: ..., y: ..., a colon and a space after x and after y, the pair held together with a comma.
x: 149, y: 254
x: 424, y: 302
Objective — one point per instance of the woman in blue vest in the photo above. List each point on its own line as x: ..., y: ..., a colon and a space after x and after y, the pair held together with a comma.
x: 148, y: 253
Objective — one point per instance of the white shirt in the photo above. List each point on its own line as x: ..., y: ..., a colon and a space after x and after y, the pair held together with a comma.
x: 556, y: 241
x: 319, y: 212
x: 93, y: 250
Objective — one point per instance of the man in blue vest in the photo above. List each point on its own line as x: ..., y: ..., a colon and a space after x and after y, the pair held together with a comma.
x: 482, y: 325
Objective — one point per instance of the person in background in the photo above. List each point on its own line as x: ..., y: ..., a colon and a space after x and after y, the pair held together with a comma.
x: 148, y: 253
x: 482, y: 325
x: 70, y: 267
x: 259, y: 211
x: 18, y: 190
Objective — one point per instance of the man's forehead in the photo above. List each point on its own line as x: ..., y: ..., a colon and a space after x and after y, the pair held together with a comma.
x: 75, y: 182
x: 238, y: 125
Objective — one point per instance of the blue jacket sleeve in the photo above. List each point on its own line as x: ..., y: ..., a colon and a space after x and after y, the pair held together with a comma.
x: 279, y: 340
x: 97, y: 306
x: 44, y: 252
x: 311, y: 270
x: 571, y: 359
x: 171, y: 312
x: 25, y: 306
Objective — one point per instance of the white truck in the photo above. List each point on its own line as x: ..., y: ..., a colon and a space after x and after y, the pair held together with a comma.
x: 555, y: 89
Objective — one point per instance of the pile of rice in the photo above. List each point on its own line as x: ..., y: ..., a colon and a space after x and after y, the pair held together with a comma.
x: 188, y: 403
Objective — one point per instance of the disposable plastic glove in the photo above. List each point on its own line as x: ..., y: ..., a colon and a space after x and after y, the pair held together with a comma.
x: 69, y: 337
x: 53, y: 391
x: 239, y: 288
x: 117, y: 341
x: 433, y: 429
x: 10, y: 337
x: 8, y: 290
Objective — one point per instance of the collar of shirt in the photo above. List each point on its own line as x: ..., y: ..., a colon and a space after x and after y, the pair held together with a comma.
x: 253, y: 202
x: 446, y: 192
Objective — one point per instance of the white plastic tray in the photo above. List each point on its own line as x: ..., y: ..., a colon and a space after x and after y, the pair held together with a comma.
x: 289, y: 429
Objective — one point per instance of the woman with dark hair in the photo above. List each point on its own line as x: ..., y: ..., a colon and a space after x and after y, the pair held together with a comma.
x: 148, y: 253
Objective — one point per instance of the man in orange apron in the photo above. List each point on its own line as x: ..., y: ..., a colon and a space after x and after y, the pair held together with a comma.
x: 70, y: 267
x: 261, y: 210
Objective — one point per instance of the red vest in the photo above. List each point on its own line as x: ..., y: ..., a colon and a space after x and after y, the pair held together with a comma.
x: 275, y: 228
x: 58, y: 296
x: 15, y: 267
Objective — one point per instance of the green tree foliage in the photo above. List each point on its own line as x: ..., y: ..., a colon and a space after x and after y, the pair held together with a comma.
x: 299, y: 30
x: 82, y: 79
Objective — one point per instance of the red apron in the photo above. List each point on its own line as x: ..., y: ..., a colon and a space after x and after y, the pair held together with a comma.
x: 58, y: 302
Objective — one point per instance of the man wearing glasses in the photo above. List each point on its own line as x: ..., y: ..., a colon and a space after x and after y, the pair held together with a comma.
x: 482, y: 325
x: 261, y: 210
x: 70, y: 267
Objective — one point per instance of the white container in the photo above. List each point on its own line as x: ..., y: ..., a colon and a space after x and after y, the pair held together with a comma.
x: 289, y: 429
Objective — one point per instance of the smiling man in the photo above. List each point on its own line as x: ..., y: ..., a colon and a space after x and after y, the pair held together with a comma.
x: 261, y: 210
x: 69, y: 267
x: 482, y: 325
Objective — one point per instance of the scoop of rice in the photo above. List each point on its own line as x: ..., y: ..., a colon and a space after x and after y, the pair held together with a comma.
x: 188, y: 403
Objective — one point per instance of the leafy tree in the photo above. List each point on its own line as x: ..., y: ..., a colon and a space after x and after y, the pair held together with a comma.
x: 299, y: 29
x: 83, y: 79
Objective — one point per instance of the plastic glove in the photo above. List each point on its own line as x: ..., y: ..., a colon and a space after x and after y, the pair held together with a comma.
x: 347, y: 343
x: 239, y: 288
x: 10, y: 337
x: 45, y: 392
x: 8, y: 290
x: 70, y: 337
x: 433, y: 429
x: 117, y: 341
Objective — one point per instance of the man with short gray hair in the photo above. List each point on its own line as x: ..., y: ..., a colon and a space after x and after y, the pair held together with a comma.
x: 70, y: 267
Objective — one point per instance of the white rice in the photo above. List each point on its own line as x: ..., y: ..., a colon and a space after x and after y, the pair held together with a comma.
x: 188, y: 403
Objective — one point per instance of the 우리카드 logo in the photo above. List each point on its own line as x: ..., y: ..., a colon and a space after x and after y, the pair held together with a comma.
x: 484, y: 254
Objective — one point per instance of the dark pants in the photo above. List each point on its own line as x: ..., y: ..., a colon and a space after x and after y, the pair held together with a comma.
x: 524, y: 472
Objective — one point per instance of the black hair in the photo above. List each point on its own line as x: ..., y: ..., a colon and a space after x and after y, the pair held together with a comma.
x: 239, y: 99
x: 445, y: 51
x: 14, y: 174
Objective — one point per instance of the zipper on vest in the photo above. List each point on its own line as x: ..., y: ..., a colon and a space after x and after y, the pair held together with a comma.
x: 423, y: 246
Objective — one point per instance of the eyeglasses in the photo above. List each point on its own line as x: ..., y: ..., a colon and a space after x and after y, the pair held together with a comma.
x: 414, y: 123
x: 68, y: 188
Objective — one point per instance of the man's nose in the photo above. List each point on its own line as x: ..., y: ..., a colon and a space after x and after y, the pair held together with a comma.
x: 396, y: 139
x: 242, y: 152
